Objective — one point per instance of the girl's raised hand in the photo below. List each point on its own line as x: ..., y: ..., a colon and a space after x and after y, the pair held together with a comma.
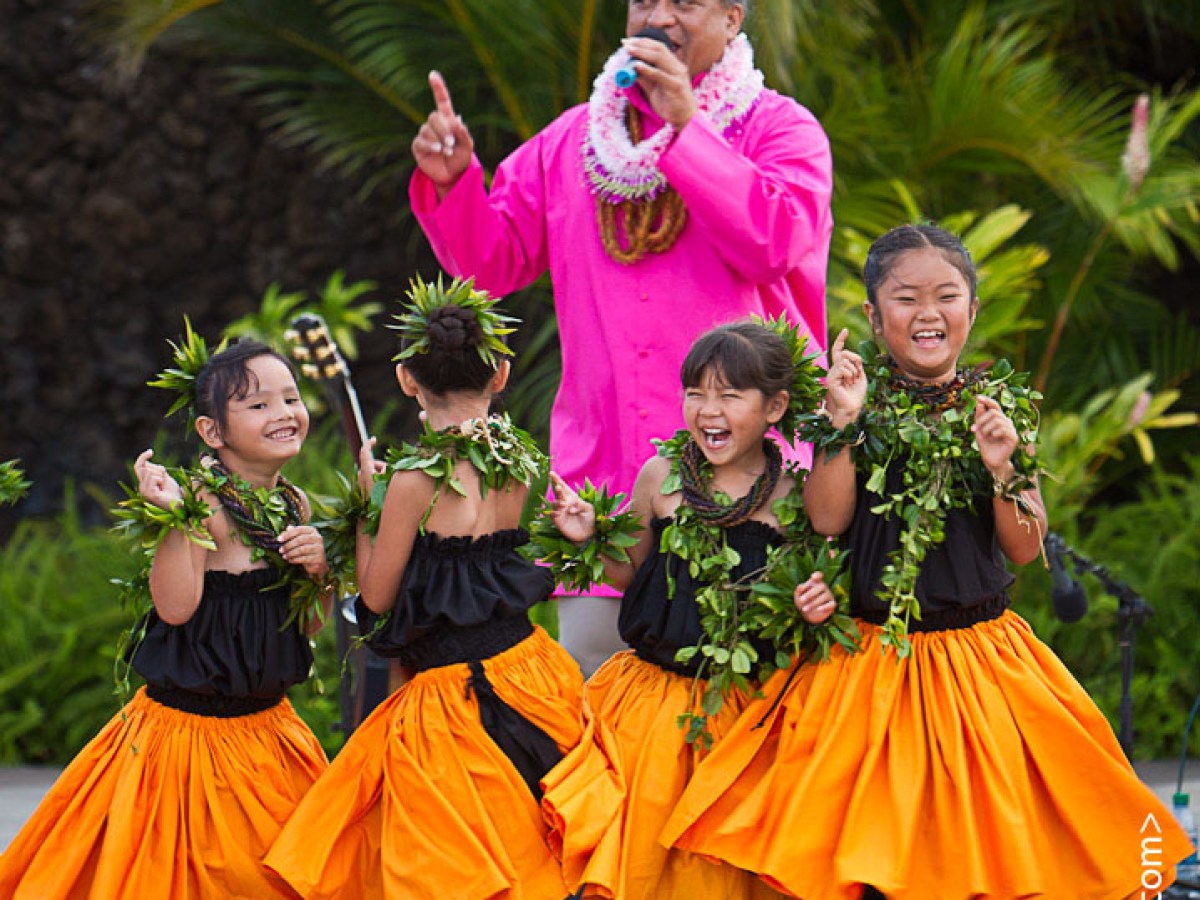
x: 155, y: 483
x: 814, y: 599
x: 845, y: 383
x: 574, y: 518
x: 996, y: 436
x: 302, y: 545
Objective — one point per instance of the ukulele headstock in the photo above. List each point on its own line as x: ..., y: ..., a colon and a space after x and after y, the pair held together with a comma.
x: 315, y: 350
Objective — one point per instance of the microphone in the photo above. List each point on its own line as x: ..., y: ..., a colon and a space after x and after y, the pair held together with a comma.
x: 627, y: 74
x: 1069, y: 597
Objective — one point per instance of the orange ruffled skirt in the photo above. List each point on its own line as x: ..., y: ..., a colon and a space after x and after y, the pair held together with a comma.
x: 169, y: 805
x: 608, y: 798
x: 421, y: 802
x: 976, y: 768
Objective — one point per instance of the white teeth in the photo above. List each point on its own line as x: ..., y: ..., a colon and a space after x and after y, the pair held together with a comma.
x: 929, y: 334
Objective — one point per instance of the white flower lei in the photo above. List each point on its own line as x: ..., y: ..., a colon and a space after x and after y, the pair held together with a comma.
x: 616, y: 168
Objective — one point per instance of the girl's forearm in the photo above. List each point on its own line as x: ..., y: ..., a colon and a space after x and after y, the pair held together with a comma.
x: 177, y: 578
x: 829, y: 492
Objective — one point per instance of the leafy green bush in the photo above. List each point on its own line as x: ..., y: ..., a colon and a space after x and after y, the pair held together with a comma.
x: 1152, y: 544
x: 58, y: 644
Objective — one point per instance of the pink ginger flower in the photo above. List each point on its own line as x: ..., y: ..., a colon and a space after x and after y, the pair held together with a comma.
x: 1136, y: 160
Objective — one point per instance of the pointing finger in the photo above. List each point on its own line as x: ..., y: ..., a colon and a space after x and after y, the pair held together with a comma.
x: 839, y: 345
x: 441, y: 95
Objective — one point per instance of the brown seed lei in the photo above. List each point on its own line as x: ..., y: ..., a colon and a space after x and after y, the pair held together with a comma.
x: 937, y: 397
x: 696, y: 493
x: 239, y: 506
x: 649, y: 226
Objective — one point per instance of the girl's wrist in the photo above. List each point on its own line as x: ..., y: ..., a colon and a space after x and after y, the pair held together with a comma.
x: 838, y: 417
x: 1007, y: 483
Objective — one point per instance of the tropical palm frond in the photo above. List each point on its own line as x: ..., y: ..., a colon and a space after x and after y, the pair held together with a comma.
x: 344, y: 313
x: 273, y: 317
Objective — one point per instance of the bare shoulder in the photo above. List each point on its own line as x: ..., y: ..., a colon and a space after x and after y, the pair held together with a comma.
x: 654, y: 472
x: 788, y: 482
x: 411, y: 485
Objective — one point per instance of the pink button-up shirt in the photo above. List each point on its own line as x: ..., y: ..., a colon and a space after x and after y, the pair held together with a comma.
x: 756, y: 241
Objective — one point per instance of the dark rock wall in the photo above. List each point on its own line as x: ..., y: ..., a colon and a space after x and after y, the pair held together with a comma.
x: 123, y: 208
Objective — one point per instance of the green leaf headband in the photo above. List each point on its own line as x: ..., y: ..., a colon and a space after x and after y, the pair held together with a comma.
x: 190, y: 356
x: 806, y: 392
x: 413, y: 320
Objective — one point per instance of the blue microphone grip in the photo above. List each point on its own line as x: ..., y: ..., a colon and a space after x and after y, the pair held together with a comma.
x: 627, y: 74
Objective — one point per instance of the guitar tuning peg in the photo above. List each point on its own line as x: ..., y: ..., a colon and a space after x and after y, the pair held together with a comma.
x: 291, y: 335
x: 301, y: 353
x: 324, y: 352
x: 308, y: 370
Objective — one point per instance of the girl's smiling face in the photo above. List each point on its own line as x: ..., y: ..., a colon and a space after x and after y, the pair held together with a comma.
x: 923, y: 312
x: 268, y: 423
x: 729, y: 423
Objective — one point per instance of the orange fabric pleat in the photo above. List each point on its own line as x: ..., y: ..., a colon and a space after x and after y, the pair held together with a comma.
x: 421, y: 803
x: 169, y: 805
x: 607, y: 800
x: 976, y: 768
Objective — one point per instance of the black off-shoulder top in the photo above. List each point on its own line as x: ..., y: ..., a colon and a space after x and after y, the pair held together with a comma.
x: 234, y: 646
x: 964, y: 571
x: 458, y: 582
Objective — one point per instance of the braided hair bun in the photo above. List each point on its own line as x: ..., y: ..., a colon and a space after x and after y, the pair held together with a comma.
x: 452, y: 328
x: 453, y: 361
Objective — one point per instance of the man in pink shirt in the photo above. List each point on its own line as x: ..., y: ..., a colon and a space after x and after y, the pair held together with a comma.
x: 692, y: 198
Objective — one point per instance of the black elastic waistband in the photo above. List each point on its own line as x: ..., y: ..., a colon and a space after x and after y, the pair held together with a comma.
x: 946, y: 619
x: 451, y: 644
x: 655, y: 659
x: 214, y: 705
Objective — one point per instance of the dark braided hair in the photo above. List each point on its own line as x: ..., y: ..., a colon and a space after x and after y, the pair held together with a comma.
x: 227, y: 376
x: 742, y: 355
x: 453, y: 362
x: 887, y: 250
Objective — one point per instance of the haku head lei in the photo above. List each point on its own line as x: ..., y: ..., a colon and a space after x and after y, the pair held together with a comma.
x: 425, y: 297
x: 12, y: 482
x: 806, y: 391
x: 189, y: 356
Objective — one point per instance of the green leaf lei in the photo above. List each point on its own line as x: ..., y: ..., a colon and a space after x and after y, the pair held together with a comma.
x: 755, y: 608
x: 12, y: 482
x: 424, y: 298
x: 579, y: 566
x: 502, y: 453
x: 942, y: 466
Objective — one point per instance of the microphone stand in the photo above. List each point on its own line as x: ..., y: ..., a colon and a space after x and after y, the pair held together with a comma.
x: 1132, y: 610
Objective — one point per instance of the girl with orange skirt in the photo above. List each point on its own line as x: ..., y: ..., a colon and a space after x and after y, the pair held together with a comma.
x: 954, y: 756
x: 610, y: 796
x: 436, y: 792
x: 181, y: 794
